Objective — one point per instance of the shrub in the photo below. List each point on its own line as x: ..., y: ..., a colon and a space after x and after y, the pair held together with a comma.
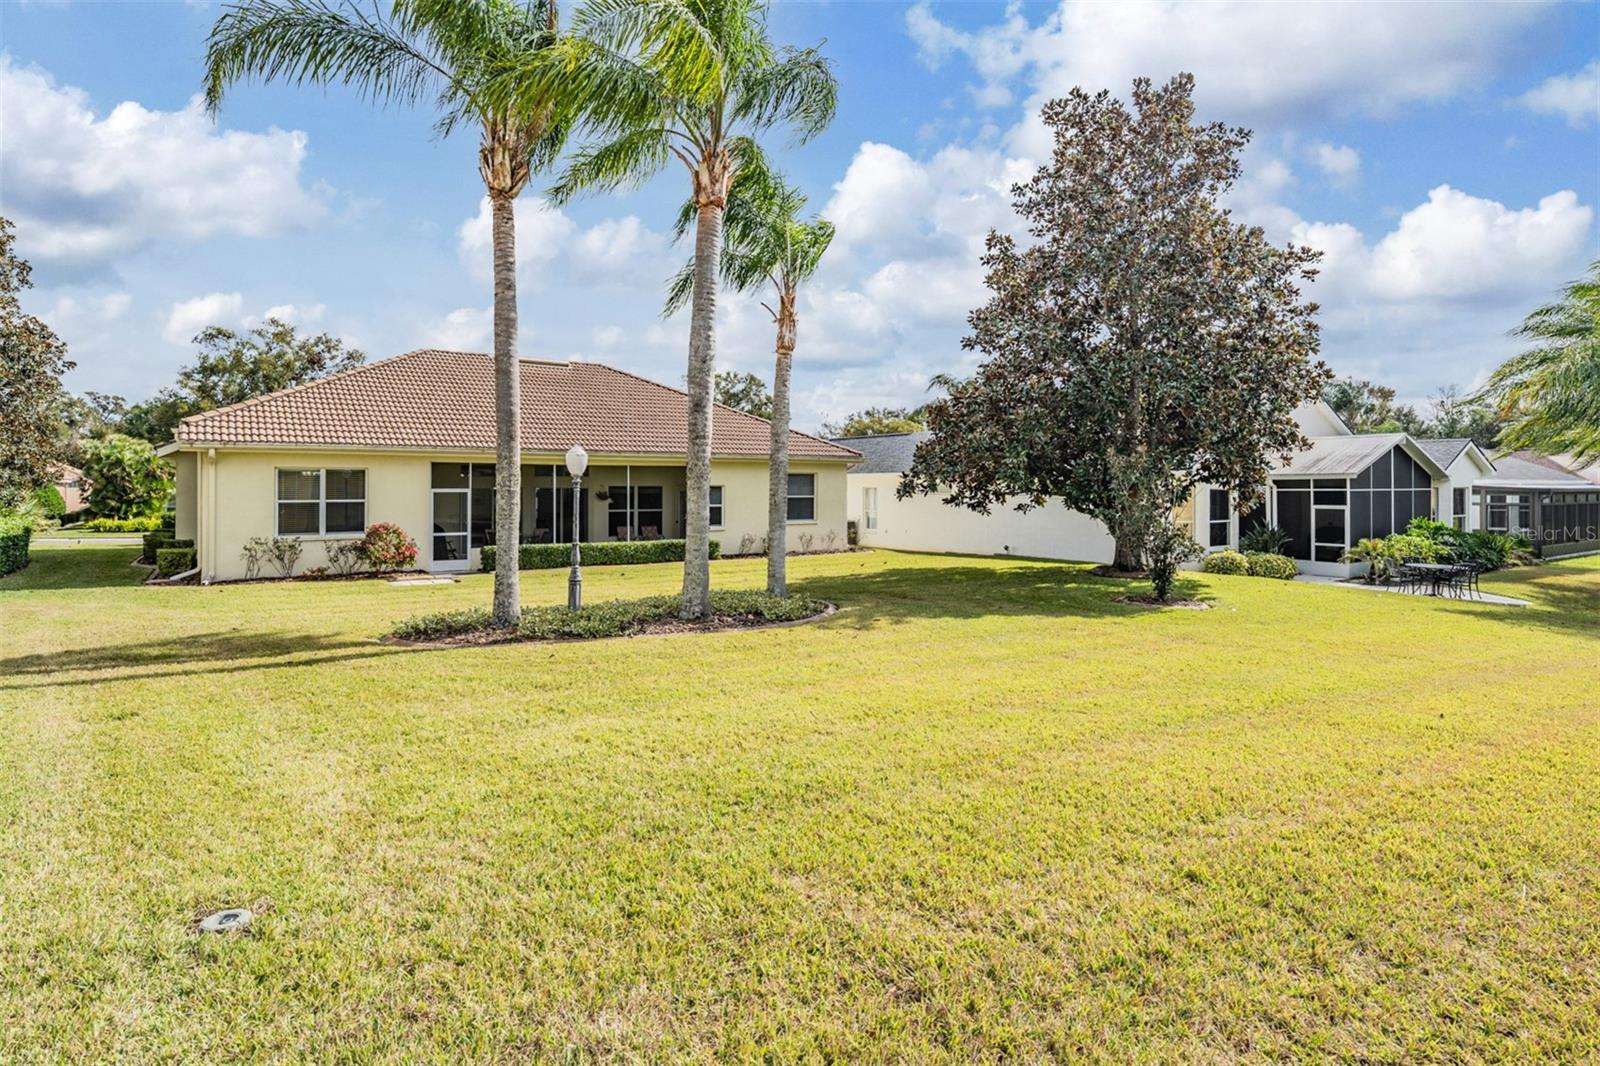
x: 347, y: 557
x: 387, y: 547
x: 807, y: 542
x: 1385, y: 556
x: 1226, y: 562
x: 281, y: 552
x: 145, y: 524
x: 595, y: 553
x: 1168, y: 548
x: 1271, y: 564
x: 154, y: 542
x: 1428, y: 529
x: 47, y: 501
x: 16, y: 532
x: 1373, y: 552
x: 126, y: 478
x: 1264, y: 539
x: 170, y: 562
x: 611, y: 618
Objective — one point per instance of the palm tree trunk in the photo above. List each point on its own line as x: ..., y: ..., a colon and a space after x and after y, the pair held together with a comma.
x: 507, y: 416
x: 778, y: 463
x: 702, y: 369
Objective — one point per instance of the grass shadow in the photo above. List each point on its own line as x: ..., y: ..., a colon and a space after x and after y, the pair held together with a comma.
x: 1044, y: 589
x: 1565, y: 600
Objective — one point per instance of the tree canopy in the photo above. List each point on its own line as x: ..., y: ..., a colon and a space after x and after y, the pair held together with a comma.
x: 1142, y: 343
x: 126, y: 478
x: 874, y: 420
x: 1551, y: 393
x: 233, y: 367
x: 32, y: 360
x: 743, y: 392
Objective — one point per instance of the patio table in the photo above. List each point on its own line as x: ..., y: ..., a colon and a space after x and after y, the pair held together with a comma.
x: 1436, y: 573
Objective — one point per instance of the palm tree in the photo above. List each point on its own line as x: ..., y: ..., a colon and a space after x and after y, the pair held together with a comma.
x: 1552, y: 390
x: 695, y: 81
x: 449, y: 50
x: 767, y: 243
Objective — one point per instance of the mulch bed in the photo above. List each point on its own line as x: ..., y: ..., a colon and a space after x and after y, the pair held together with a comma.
x: 719, y: 623
x: 1107, y: 570
x: 1146, y: 600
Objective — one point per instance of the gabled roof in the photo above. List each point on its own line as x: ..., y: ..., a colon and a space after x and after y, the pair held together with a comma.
x: 440, y: 400
x: 1528, y: 470
x: 1444, y: 450
x: 1347, y: 456
x: 884, y: 453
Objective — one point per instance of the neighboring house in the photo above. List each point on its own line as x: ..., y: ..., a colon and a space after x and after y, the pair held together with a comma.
x: 1540, y: 498
x: 1345, y: 487
x: 411, y: 440
x: 74, y: 492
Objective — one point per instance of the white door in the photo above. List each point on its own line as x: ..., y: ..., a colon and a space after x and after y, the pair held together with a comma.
x: 449, y: 529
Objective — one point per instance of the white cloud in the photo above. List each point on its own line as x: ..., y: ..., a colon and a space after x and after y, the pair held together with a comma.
x: 1576, y: 97
x: 1340, y: 163
x: 1254, y: 62
x: 189, y: 317
x: 542, y: 233
x: 294, y: 314
x: 622, y: 251
x: 608, y: 338
x: 70, y: 315
x: 466, y: 329
x: 84, y: 188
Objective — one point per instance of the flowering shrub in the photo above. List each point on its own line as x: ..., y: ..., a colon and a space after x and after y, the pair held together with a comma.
x: 387, y: 547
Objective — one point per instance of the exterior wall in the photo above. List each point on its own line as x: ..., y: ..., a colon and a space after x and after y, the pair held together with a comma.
x: 925, y: 523
x: 223, y: 502
x: 744, y: 504
x: 1318, y: 420
x: 186, y: 484
x: 1462, y: 473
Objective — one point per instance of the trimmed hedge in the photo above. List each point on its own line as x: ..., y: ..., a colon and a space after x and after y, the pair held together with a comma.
x: 154, y: 542
x: 1270, y: 564
x: 595, y: 553
x: 15, y: 534
x: 170, y: 562
x: 612, y: 618
x: 125, y: 525
x: 1226, y: 562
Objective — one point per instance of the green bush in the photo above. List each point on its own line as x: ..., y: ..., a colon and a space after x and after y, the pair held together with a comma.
x: 149, y: 524
x: 595, y: 553
x: 16, y: 531
x: 163, y: 538
x: 1226, y: 562
x: 1268, y: 539
x: 48, y: 501
x: 1271, y: 564
x: 170, y: 562
x: 1482, y: 548
x: 612, y: 618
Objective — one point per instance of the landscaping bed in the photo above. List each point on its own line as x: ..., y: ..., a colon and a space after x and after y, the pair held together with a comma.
x: 730, y: 609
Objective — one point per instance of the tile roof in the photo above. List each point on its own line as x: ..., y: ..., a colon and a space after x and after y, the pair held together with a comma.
x: 884, y: 453
x: 432, y: 399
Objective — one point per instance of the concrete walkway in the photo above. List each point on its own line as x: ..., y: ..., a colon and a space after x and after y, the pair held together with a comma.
x: 1481, y: 597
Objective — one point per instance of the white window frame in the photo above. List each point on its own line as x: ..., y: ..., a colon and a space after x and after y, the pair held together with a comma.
x: 321, y: 501
x: 715, y: 502
x: 812, y: 496
x: 869, y: 507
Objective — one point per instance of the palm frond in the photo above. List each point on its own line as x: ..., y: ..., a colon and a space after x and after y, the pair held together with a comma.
x: 306, y: 41
x: 625, y: 162
x: 797, y: 90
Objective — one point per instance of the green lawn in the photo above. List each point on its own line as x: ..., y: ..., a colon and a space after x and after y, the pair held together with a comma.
x: 982, y: 813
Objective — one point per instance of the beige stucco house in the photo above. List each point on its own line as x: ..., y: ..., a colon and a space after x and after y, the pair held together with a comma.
x: 410, y: 440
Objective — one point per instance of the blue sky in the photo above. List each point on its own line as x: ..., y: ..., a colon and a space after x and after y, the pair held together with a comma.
x: 1446, y: 159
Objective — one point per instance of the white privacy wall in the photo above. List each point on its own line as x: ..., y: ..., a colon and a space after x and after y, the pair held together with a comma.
x: 924, y: 523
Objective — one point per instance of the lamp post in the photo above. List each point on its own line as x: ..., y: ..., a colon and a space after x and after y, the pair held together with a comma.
x: 577, y: 463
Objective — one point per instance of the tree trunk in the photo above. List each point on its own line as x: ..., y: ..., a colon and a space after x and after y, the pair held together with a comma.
x: 702, y: 370
x: 1127, y: 556
x: 507, y: 416
x: 778, y: 462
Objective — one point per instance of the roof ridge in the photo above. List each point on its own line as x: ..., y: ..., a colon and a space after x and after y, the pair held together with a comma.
x: 252, y: 401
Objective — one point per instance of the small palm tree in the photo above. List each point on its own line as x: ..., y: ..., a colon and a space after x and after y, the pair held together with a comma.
x: 767, y: 243
x: 695, y: 81
x: 1552, y: 390
x: 449, y: 50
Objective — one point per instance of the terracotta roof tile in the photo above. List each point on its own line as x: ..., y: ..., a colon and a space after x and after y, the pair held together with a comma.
x: 431, y: 399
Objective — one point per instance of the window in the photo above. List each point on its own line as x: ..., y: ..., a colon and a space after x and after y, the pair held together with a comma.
x: 316, y: 502
x: 869, y: 508
x: 646, y: 508
x: 480, y: 512
x: 1219, y: 518
x: 716, y: 506
x: 1458, y: 508
x: 802, y: 497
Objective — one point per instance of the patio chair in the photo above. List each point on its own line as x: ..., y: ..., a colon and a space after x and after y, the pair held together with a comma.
x: 1406, y: 578
x: 1459, y: 582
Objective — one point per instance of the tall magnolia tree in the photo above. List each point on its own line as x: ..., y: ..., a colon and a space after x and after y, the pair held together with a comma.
x: 446, y: 52
x: 694, y: 81
x: 1142, y: 343
x: 769, y: 246
x: 1551, y: 392
x: 32, y: 360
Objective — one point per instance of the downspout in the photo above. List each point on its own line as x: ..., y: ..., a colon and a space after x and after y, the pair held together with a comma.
x: 208, y: 565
